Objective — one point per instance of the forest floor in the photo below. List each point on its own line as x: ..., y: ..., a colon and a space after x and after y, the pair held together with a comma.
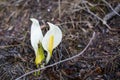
x: 78, y: 20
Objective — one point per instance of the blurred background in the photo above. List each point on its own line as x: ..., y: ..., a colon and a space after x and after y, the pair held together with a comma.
x: 77, y: 19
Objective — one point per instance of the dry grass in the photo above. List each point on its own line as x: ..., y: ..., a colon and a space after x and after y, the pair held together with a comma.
x: 78, y: 19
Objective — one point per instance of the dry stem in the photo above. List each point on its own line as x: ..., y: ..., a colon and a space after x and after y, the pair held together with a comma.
x: 73, y: 57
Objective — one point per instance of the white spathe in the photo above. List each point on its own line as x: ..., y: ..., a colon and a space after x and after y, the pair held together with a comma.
x: 50, y: 41
x: 36, y: 34
x: 57, y: 36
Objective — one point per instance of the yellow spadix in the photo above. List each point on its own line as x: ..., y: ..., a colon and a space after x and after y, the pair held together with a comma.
x: 51, y: 40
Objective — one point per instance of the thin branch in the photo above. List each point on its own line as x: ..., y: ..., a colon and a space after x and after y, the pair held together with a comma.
x: 112, y: 14
x: 104, y: 22
x: 114, y: 11
x: 73, y: 57
x: 72, y: 22
x: 59, y: 4
x: 7, y: 46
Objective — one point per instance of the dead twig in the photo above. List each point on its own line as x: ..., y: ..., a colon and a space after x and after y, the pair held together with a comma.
x: 88, y: 10
x: 113, y: 10
x: 73, y: 57
x: 112, y: 14
x: 59, y: 3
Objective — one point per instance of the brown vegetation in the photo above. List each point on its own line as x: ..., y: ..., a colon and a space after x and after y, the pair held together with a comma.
x: 78, y: 20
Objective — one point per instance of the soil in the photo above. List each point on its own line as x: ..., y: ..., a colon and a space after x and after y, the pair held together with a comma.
x: 101, y: 61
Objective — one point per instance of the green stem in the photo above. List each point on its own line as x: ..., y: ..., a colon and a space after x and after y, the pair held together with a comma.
x: 37, y: 73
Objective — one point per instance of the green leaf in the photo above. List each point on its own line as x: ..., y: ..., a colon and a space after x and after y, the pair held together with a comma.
x: 40, y: 55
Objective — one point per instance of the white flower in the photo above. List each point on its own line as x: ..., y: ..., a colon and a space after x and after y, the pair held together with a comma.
x: 51, y: 40
x: 36, y: 40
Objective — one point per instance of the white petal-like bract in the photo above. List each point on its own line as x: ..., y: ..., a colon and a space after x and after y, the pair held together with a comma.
x: 36, y: 34
x: 56, y: 33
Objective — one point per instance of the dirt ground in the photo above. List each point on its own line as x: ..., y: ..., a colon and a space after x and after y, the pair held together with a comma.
x: 77, y: 19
